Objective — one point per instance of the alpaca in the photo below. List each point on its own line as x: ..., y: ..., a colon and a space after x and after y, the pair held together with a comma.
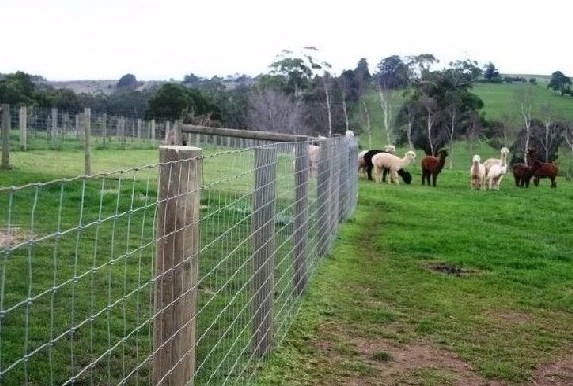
x: 494, y: 175
x: 477, y: 173
x: 383, y: 161
x: 368, y: 158
x: 362, y: 162
x: 313, y: 154
x: 522, y: 172
x: 545, y: 170
x: 492, y: 161
x: 432, y: 166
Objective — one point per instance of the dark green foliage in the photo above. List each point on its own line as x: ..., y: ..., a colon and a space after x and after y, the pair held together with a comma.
x: 127, y: 82
x: 173, y: 101
x: 559, y: 82
x: 438, y: 98
x: 17, y: 89
x: 491, y: 74
x: 393, y: 73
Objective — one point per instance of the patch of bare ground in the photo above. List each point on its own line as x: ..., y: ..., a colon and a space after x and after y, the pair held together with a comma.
x: 557, y: 373
x: 510, y: 317
x: 417, y: 363
x: 13, y: 236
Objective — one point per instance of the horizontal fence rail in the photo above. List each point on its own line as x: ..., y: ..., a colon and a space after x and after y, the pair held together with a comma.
x: 188, y: 270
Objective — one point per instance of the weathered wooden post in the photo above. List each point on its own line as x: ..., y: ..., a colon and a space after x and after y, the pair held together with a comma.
x: 301, y: 215
x: 176, y: 265
x: 263, y: 249
x: 323, y: 198
x: 153, y: 138
x: 5, y: 136
x: 23, y: 123
x: 87, y: 139
x: 54, y: 134
x: 104, y: 129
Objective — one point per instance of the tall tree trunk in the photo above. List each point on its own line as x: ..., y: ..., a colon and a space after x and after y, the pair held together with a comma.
x: 452, y: 132
x: 328, y: 109
x: 368, y: 130
x: 429, y: 129
x: 526, y: 112
x: 386, y: 107
x: 344, y: 110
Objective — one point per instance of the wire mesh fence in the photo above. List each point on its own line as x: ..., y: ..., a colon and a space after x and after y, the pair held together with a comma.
x: 189, y: 269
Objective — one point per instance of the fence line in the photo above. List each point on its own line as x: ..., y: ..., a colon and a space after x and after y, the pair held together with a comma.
x: 184, y: 271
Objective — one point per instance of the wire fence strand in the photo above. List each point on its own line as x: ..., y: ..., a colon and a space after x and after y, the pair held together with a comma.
x: 192, y: 265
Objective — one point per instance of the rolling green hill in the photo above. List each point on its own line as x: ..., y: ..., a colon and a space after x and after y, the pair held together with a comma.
x: 501, y: 101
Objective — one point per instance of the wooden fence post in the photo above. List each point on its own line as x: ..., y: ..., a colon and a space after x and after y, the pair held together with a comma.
x: 6, y: 136
x: 23, y: 123
x: 176, y: 265
x: 87, y: 136
x: 301, y: 215
x: 263, y: 249
x: 153, y: 138
x: 323, y: 198
x: 78, y: 128
x: 54, y: 134
x: 104, y: 129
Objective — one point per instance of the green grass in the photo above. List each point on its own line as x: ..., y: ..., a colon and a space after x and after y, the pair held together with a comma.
x: 91, y: 262
x: 376, y: 297
x: 500, y: 101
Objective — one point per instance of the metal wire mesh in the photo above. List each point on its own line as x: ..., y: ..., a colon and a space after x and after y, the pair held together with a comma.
x: 84, y: 274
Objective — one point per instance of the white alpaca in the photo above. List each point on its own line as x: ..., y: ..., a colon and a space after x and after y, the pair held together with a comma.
x: 492, y: 161
x: 383, y: 161
x: 362, y: 162
x: 477, y: 173
x: 497, y: 161
x: 313, y: 154
x: 495, y: 174
x: 390, y: 149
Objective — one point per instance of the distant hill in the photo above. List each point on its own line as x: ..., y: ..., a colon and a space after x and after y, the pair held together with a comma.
x: 105, y: 87
x: 108, y: 87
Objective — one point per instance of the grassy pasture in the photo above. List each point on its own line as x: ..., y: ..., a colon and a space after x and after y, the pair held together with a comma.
x: 440, y: 286
x: 94, y: 267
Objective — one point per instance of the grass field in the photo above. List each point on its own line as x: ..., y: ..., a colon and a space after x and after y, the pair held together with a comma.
x: 77, y: 265
x: 440, y: 286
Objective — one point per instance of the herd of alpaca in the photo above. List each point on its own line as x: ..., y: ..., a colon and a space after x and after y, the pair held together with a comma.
x: 487, y: 175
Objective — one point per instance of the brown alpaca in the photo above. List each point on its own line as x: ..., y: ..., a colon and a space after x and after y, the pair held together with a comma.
x: 545, y: 170
x: 542, y: 170
x: 432, y: 166
x: 523, y: 172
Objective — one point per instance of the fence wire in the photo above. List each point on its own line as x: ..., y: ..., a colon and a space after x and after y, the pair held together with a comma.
x: 192, y: 266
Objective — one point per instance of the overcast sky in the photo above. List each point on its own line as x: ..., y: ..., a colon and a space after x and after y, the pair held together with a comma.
x: 167, y: 39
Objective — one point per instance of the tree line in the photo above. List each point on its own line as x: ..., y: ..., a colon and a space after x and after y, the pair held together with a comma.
x: 300, y: 95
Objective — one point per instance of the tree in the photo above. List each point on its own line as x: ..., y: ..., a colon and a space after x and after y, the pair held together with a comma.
x: 568, y: 137
x: 438, y: 109
x: 65, y: 100
x: 560, y: 82
x: 273, y: 110
x: 127, y: 82
x: 17, y: 88
x: 491, y: 74
x: 296, y: 71
x: 393, y: 73
x: 525, y: 98
x: 422, y: 62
